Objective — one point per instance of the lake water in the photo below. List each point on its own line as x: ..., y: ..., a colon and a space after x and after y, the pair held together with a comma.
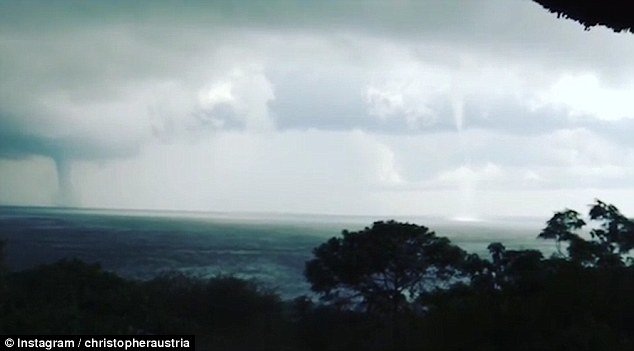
x: 269, y: 248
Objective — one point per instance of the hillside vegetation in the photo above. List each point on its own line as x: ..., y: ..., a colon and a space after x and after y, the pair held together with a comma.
x: 389, y: 286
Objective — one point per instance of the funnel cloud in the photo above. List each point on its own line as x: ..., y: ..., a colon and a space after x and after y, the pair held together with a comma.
x: 66, y: 195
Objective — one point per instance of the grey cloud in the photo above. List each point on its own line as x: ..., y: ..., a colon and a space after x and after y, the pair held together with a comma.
x: 302, y: 103
x: 103, y: 80
x: 566, y: 158
x: 18, y: 144
x: 514, y: 29
x: 92, y: 50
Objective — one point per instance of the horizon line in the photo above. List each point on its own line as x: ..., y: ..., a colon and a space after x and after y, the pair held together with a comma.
x: 453, y: 218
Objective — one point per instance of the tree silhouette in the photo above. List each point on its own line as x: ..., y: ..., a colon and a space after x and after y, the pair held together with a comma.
x: 2, y: 271
x: 616, y: 231
x: 2, y: 243
x: 513, y: 268
x: 610, y: 242
x: 614, y: 14
x: 562, y: 227
x: 383, y: 267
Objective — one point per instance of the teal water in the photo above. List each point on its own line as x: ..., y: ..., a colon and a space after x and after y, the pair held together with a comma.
x: 268, y: 248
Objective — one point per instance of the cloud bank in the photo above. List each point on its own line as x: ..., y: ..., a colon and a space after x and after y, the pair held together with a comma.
x: 388, y: 108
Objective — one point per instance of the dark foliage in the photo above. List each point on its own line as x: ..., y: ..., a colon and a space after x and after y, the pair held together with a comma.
x: 578, y: 299
x: 609, y: 244
x: 382, y: 267
x: 72, y: 297
x: 615, y: 14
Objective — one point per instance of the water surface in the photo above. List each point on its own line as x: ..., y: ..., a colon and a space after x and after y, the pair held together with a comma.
x: 269, y: 248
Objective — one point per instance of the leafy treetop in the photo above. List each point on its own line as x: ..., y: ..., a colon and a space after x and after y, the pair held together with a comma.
x: 382, y: 267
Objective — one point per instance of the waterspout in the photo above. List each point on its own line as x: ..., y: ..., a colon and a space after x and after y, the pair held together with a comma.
x: 65, y: 193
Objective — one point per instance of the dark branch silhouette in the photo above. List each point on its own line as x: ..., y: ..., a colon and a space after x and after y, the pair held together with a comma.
x: 615, y: 14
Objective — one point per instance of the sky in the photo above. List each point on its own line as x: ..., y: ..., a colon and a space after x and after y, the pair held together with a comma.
x: 463, y: 109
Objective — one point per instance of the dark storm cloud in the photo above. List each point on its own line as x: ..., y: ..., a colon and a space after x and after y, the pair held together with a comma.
x: 96, y: 52
x: 410, y: 95
x: 19, y: 145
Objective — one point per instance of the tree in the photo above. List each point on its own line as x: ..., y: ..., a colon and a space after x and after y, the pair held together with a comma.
x: 384, y: 267
x: 562, y: 227
x: 513, y: 268
x: 2, y: 243
x: 616, y: 232
x: 611, y: 240
x: 2, y: 271
x: 615, y: 14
